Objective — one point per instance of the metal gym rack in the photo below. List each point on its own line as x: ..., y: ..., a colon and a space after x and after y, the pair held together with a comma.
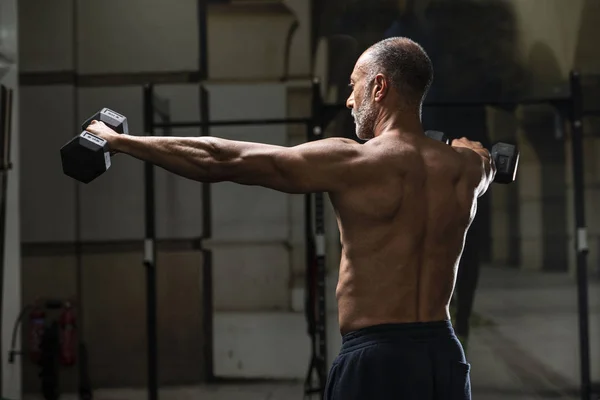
x: 570, y: 106
x: 6, y: 112
x: 316, y: 307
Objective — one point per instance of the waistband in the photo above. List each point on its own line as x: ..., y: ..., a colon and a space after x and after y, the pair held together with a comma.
x: 390, y: 333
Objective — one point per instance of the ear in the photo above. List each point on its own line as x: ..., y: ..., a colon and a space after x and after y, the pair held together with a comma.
x: 380, y: 88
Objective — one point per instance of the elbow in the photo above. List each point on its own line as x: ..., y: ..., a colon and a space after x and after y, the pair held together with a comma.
x: 217, y: 165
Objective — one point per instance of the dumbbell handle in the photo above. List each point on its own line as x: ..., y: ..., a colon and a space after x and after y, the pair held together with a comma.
x: 111, y: 118
x: 438, y: 135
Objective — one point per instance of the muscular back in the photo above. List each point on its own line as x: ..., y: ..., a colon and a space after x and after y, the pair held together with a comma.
x: 402, y: 230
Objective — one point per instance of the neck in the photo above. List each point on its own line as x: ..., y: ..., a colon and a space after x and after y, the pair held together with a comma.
x: 398, y: 121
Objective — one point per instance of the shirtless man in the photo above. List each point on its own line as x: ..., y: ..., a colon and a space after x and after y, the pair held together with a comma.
x: 404, y: 203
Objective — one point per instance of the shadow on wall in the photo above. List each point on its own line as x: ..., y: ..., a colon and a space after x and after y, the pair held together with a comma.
x: 587, y: 60
x: 474, y: 49
x: 365, y: 20
x: 586, y: 49
x: 540, y: 125
x: 473, y: 44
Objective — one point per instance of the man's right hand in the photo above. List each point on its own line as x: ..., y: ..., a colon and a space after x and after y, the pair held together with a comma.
x: 477, y: 147
x: 469, y: 144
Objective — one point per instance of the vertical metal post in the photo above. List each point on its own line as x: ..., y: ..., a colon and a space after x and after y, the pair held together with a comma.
x: 310, y: 295
x: 5, y: 166
x: 321, y: 326
x: 83, y: 375
x: 203, y: 38
x: 150, y: 252
x: 309, y: 248
x: 321, y: 285
x: 316, y: 9
x: 581, y: 245
x: 207, y: 256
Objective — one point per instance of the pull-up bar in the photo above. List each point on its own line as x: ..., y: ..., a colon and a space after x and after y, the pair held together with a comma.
x: 244, y: 122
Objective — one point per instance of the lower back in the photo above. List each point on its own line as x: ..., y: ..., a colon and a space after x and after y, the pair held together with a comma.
x: 371, y: 293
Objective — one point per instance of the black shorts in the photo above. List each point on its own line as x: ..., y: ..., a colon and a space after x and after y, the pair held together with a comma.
x: 423, y: 361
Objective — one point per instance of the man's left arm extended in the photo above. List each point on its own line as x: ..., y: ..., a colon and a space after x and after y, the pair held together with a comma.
x: 323, y: 165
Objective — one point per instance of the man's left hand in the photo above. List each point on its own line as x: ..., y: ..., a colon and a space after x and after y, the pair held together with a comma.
x: 100, y: 129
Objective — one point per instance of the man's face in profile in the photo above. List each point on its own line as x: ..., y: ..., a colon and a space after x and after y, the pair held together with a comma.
x: 361, y: 103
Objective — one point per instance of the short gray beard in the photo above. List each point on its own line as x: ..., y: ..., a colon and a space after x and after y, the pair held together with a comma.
x: 365, y: 116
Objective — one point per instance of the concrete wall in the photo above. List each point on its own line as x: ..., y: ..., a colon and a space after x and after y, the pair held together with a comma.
x: 550, y: 46
x: 11, y: 304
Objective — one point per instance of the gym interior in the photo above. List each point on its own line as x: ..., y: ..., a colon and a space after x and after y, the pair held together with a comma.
x: 145, y: 285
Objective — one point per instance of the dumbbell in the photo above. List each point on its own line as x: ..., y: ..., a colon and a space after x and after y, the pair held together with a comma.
x: 505, y: 156
x: 86, y: 156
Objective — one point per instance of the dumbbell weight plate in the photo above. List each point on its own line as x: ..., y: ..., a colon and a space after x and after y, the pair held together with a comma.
x: 85, y: 157
x: 506, y: 157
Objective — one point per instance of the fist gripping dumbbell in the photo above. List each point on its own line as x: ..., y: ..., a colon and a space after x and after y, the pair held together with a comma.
x: 505, y: 156
x: 86, y: 156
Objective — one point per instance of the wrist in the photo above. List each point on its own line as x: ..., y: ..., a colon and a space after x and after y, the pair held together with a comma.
x: 118, y: 143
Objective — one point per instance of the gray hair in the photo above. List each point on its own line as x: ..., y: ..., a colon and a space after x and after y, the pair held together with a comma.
x: 405, y: 63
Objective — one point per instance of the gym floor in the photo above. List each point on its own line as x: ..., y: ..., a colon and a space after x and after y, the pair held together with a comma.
x: 524, y: 345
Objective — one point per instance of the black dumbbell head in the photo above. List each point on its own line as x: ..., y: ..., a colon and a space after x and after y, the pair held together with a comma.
x: 111, y: 118
x: 85, y: 157
x: 506, y: 157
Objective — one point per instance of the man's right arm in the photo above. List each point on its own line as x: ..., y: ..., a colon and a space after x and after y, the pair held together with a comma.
x: 479, y: 161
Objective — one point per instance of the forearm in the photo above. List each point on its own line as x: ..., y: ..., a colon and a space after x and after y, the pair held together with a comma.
x: 196, y: 158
